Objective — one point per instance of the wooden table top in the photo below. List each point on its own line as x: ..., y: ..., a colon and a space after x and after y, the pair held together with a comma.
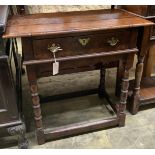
x: 62, y: 23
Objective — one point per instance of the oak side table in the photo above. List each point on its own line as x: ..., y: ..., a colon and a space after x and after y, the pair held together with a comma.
x: 64, y: 43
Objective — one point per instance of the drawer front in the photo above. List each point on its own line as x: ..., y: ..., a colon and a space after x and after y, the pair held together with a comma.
x: 84, y: 44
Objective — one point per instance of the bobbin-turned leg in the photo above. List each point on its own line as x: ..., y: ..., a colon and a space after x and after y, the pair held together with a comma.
x: 36, y: 105
x: 37, y: 113
x: 123, y: 98
x: 136, y: 92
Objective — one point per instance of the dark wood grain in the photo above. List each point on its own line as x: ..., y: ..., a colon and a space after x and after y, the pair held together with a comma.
x: 47, y: 24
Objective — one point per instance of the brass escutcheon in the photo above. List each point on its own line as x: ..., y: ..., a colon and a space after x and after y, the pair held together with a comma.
x: 113, y: 41
x: 84, y: 41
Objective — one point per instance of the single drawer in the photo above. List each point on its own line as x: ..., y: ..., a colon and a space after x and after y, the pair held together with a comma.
x: 85, y: 44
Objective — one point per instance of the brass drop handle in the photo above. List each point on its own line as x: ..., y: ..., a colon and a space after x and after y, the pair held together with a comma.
x: 54, y: 48
x: 113, y: 41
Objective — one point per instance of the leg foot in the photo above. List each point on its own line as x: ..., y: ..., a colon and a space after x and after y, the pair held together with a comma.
x: 40, y: 136
x: 122, y: 117
x: 23, y: 143
x: 20, y: 131
x: 135, y: 105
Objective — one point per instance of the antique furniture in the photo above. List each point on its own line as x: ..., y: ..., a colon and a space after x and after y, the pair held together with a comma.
x: 26, y: 9
x: 10, y: 86
x: 147, y: 91
x: 63, y: 43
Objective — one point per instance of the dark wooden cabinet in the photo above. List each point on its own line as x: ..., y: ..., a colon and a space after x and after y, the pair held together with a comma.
x: 147, y: 90
x: 11, y: 121
x: 8, y: 101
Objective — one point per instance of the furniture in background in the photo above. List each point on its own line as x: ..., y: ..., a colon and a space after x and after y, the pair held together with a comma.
x: 11, y: 119
x: 147, y: 87
x: 79, y: 41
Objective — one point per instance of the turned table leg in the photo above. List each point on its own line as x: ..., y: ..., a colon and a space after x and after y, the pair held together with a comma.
x: 37, y: 113
x: 36, y: 104
x: 136, y: 91
x: 123, y: 98
x: 143, y: 45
